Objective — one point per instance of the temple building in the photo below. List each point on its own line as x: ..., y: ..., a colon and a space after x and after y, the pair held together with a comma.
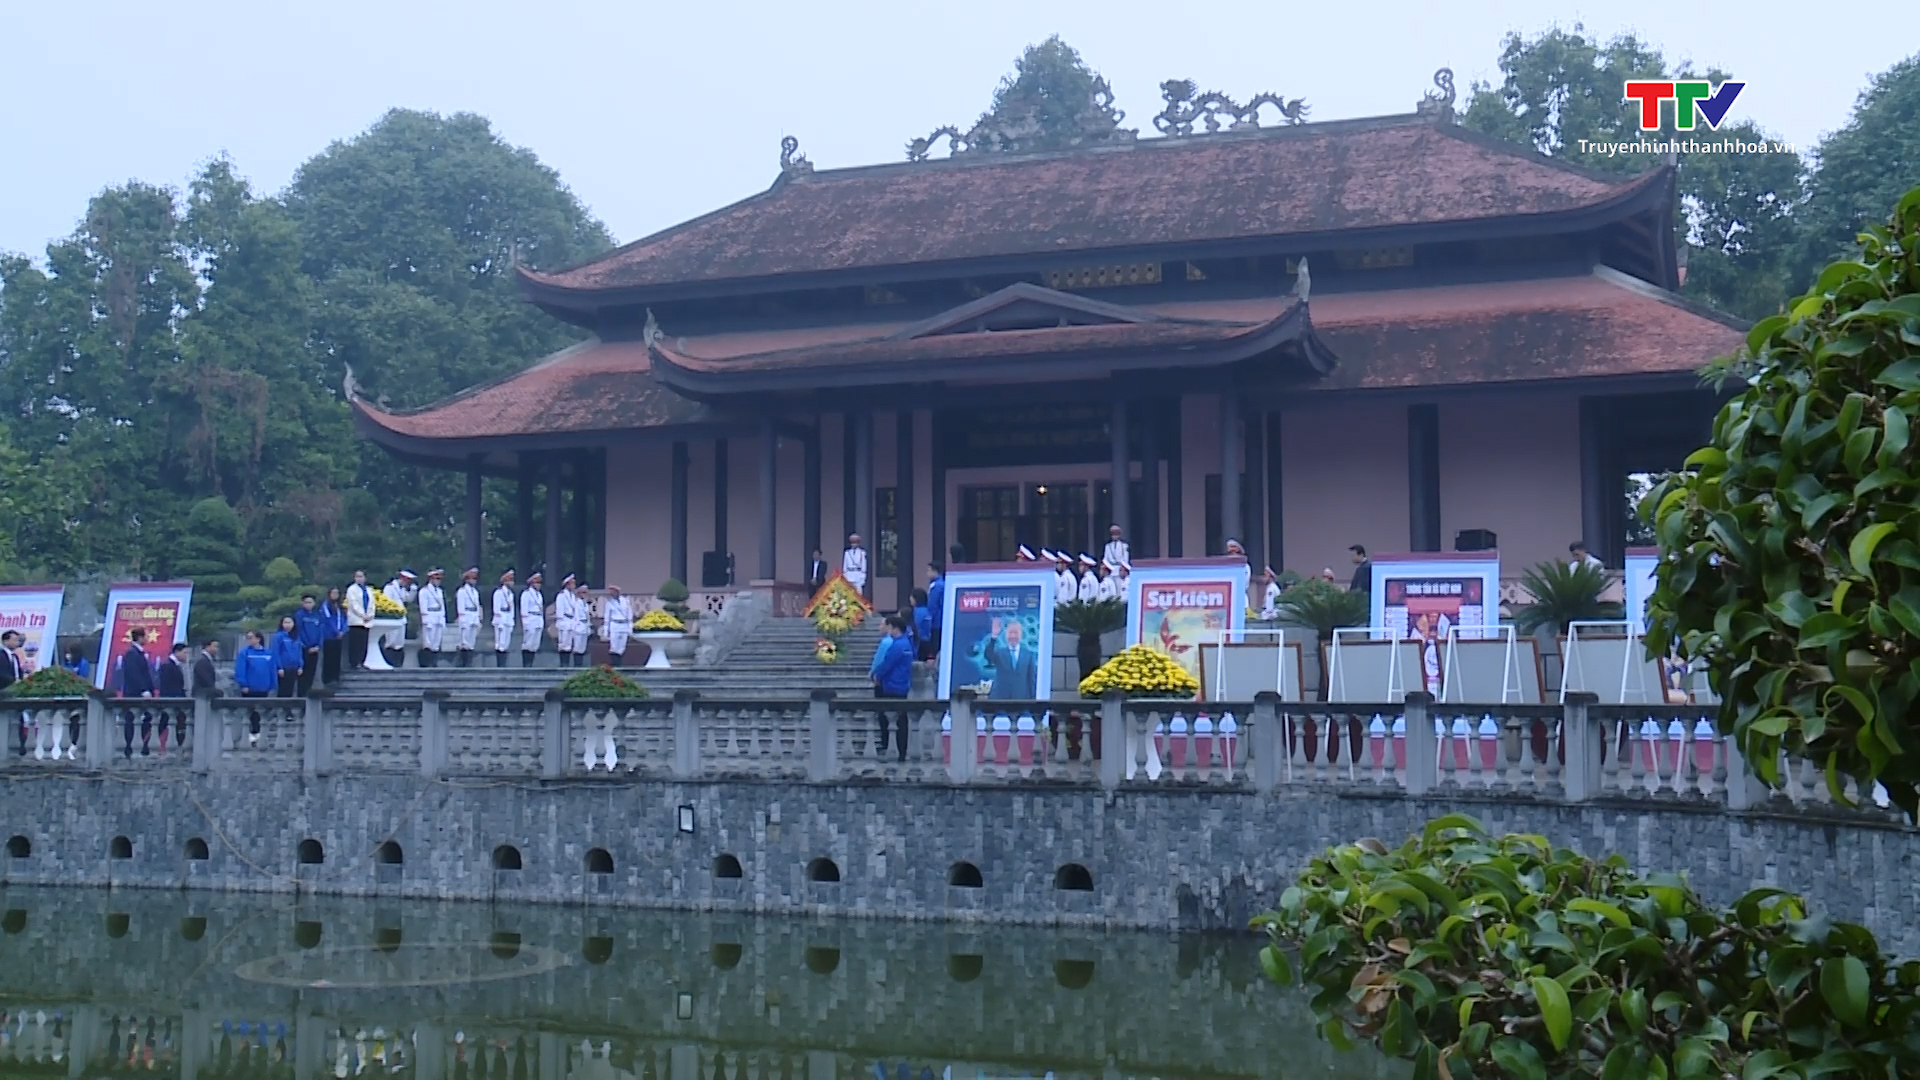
x: 1393, y: 332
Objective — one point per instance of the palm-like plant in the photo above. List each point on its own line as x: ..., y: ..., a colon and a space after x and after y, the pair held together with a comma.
x: 1563, y: 594
x: 1322, y: 607
x: 1089, y: 619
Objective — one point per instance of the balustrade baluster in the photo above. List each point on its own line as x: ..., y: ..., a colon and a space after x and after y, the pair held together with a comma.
x: 1556, y: 735
x: 1636, y: 756
x: 1299, y: 730
x: 1447, y: 734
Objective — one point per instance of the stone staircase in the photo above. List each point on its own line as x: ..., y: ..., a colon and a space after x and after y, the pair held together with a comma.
x: 775, y: 660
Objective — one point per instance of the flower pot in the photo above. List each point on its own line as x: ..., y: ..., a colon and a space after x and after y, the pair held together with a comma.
x: 376, y: 660
x: 681, y: 647
x: 657, y: 644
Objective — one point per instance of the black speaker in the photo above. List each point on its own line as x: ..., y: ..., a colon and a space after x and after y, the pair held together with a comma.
x: 716, y: 570
x: 1475, y: 540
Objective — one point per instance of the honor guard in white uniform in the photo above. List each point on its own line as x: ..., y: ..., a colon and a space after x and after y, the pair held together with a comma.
x: 616, y: 623
x: 1116, y: 551
x: 1025, y: 554
x: 1066, y: 587
x: 853, y: 563
x: 533, y: 619
x: 564, y: 620
x: 433, y: 618
x: 1089, y: 584
x: 1120, y: 573
x: 504, y: 611
x: 401, y: 590
x: 583, y: 624
x: 1271, y: 609
x: 466, y: 613
x: 1109, y: 587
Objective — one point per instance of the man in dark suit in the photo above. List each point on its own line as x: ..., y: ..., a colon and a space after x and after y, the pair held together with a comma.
x: 206, y: 675
x: 135, y: 675
x: 10, y: 672
x: 816, y: 571
x: 1016, y: 671
x: 171, y: 678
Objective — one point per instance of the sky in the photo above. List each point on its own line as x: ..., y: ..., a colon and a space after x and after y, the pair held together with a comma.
x: 653, y: 113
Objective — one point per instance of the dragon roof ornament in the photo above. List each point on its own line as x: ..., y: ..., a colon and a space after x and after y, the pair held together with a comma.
x: 1096, y: 124
x: 1185, y: 105
x: 792, y: 162
x: 1438, y: 102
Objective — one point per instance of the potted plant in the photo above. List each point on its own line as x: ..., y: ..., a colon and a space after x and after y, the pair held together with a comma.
x: 659, y: 629
x: 601, y: 684
x: 837, y: 609
x: 672, y: 595
x: 1563, y: 594
x: 64, y: 692
x: 1322, y: 607
x: 388, y: 616
x: 1089, y: 619
x: 1142, y: 673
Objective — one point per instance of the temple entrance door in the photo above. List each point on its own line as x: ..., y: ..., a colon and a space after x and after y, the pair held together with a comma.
x: 1059, y: 516
x: 990, y: 522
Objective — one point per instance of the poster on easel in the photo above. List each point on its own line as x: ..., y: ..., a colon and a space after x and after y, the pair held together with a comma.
x: 33, y: 612
x: 1176, y: 605
x: 1641, y: 564
x: 159, y: 608
x: 998, y: 636
x: 1429, y: 596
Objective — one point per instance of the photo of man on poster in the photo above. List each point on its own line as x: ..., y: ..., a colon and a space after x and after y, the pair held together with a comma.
x: 1016, y: 670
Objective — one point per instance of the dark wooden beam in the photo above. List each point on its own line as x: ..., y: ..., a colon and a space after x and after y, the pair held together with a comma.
x: 1423, y: 477
x: 677, y: 516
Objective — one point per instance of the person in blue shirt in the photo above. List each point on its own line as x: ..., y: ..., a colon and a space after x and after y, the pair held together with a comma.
x: 76, y: 662
x: 936, y: 602
x: 333, y: 614
x: 922, y: 626
x: 310, y: 627
x: 288, y: 659
x: 255, y: 673
x: 892, y: 675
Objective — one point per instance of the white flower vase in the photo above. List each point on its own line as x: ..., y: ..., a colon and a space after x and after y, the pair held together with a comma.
x: 657, y: 648
x: 382, y: 629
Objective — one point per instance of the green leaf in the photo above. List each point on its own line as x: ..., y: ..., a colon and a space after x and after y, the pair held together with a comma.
x: 1860, y: 552
x: 1901, y: 374
x: 1826, y: 630
x: 1693, y: 1058
x: 1843, y: 984
x: 1767, y: 1064
x: 1276, y: 966
x: 1518, y: 1058
x: 1633, y: 1009
x: 1621, y: 1063
x: 1555, y: 1010
x: 1399, y: 1033
x: 1895, y: 442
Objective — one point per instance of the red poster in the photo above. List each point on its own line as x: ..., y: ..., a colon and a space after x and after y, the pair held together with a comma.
x: 160, y: 610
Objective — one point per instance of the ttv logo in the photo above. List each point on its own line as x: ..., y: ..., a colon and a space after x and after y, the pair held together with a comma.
x: 1690, y: 98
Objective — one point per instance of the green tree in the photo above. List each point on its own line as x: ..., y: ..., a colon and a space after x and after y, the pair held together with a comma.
x: 1051, y: 101
x: 1863, y: 168
x: 1560, y: 94
x: 1792, y: 541
x: 208, y: 554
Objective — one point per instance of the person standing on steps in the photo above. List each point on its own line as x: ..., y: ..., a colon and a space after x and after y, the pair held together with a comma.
x: 616, y: 625
x: 286, y: 658
x: 433, y: 618
x: 171, y: 678
x: 504, y: 612
x: 853, y: 564
x: 1362, y: 570
x: 206, y: 677
x: 582, y: 625
x: 533, y: 619
x: 311, y: 628
x: 359, y: 621
x: 566, y: 620
x: 816, y: 572
x: 892, y: 675
x: 401, y: 590
x: 333, y: 616
x: 1116, y: 551
x: 936, y: 603
x: 466, y: 604
x: 254, y: 674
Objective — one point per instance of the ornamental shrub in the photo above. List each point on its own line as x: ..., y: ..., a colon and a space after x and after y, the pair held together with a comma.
x: 1563, y: 594
x: 50, y: 682
x: 1791, y: 543
x: 672, y: 591
x: 1472, y: 956
x: 601, y: 684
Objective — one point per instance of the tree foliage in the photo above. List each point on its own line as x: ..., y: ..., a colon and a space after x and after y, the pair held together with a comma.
x: 1863, y: 168
x: 1051, y: 101
x: 1472, y: 956
x: 1792, y: 542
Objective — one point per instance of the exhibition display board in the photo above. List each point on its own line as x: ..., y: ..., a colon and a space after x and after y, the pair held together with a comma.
x: 1641, y: 563
x: 34, y: 612
x: 997, y: 637
x: 1431, y: 597
x: 161, y: 608
x: 1174, y: 606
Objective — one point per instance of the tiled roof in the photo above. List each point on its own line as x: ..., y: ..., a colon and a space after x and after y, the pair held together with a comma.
x: 1277, y: 182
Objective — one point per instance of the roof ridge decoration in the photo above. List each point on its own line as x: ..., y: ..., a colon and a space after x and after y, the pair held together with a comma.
x: 1097, y: 121
x: 1438, y: 102
x: 793, y: 163
x: 1185, y: 105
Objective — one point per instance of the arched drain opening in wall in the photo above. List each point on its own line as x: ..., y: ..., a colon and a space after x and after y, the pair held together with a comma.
x: 310, y: 853
x: 120, y: 847
x: 118, y: 923
x: 18, y: 847
x: 965, y: 967
x: 599, y: 861
x: 306, y: 934
x: 193, y: 927
x: 597, y: 949
x: 197, y: 850
x: 965, y: 875
x: 506, y: 857
x: 726, y: 866
x: 1073, y: 878
x: 389, y: 854
x: 14, y: 921
x: 505, y: 944
x: 823, y: 870
x: 822, y: 961
x: 1073, y: 974
x: 726, y: 954
x: 387, y: 939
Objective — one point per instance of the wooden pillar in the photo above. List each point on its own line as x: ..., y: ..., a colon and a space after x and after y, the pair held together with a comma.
x: 849, y: 511
x: 863, y: 491
x: 677, y: 517
x: 1423, y: 477
x: 582, y: 519
x: 1594, y: 488
x: 719, y: 505
x: 472, y: 552
x: 523, y: 522
x: 769, y: 493
x: 1276, y: 512
x: 597, y: 530
x: 903, y: 506
x: 1176, y: 484
x: 810, y: 496
x: 1152, y: 515
x: 939, y: 550
x: 1229, y: 469
x: 550, y: 552
x: 1254, y: 494
x: 1120, y: 475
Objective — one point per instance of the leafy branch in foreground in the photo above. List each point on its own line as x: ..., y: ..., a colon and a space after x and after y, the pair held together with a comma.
x: 1475, y: 956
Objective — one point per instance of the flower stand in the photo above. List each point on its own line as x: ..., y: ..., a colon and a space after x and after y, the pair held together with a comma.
x: 657, y: 641
x: 375, y: 660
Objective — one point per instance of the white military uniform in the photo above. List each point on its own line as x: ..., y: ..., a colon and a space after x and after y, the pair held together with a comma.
x: 616, y: 622
x: 1109, y: 587
x: 1089, y: 587
x: 1272, y: 607
x: 433, y: 616
x: 533, y: 618
x: 570, y: 621
x: 503, y: 612
x: 1066, y: 587
x: 853, y: 567
x: 466, y: 604
x: 402, y: 594
x: 1116, y: 553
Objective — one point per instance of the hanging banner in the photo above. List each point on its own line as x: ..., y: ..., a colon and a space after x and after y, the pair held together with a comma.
x: 1641, y: 563
x: 998, y: 633
x: 160, y: 608
x: 34, y: 612
x: 1425, y: 596
x: 1174, y: 606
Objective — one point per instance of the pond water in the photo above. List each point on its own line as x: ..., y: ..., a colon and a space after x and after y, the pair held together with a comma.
x: 96, y: 983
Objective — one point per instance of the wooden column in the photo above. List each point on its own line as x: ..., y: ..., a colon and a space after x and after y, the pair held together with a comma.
x: 1176, y: 484
x: 582, y: 519
x: 1423, y: 477
x: 523, y: 523
x: 810, y: 496
x: 719, y: 503
x: 1276, y: 513
x: 677, y: 517
x: 597, y: 530
x: 862, y: 439
x: 1146, y: 545
x: 550, y: 552
x: 473, y: 512
x: 941, y: 550
x: 1254, y: 508
x: 769, y: 492
x: 1229, y: 470
x: 903, y: 506
x: 1594, y: 489
x: 849, y: 510
x: 1120, y: 475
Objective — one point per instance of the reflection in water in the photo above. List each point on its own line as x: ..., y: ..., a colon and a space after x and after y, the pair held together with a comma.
x: 195, y: 987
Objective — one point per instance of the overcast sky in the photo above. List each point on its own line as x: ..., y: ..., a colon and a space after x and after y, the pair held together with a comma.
x: 656, y: 112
